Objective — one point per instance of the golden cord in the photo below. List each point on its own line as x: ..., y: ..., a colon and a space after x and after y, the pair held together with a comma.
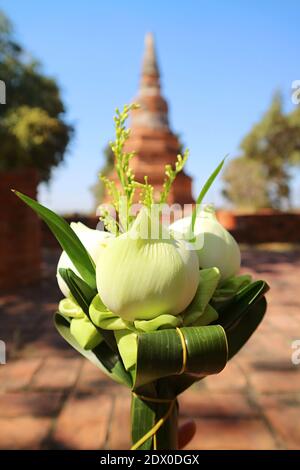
x: 154, y: 400
x: 152, y: 432
x: 184, y: 351
x: 155, y: 428
x: 154, y: 442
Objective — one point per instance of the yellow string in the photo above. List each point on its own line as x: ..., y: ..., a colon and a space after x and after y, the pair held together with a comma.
x: 184, y: 351
x: 155, y: 428
x: 154, y: 400
x: 161, y: 421
x: 154, y: 442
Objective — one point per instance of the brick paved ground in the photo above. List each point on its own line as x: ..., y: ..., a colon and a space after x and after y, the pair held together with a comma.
x: 51, y: 398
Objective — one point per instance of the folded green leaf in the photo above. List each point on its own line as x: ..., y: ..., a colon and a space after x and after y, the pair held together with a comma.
x: 228, y: 289
x: 241, y: 303
x: 208, y: 316
x: 162, y: 321
x: 103, y: 318
x: 80, y: 290
x: 67, y: 238
x: 85, y: 333
x: 208, y: 281
x: 70, y: 308
x: 83, y: 295
x: 239, y: 333
x: 102, y: 356
x: 127, y: 345
x: 160, y: 353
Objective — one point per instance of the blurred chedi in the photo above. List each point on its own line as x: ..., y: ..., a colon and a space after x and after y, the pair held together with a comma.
x: 151, y: 137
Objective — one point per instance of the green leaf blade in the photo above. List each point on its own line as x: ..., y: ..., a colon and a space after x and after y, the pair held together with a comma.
x: 239, y: 334
x: 240, y: 304
x: 67, y: 239
x: 160, y: 353
x: 203, y: 192
x: 102, y: 356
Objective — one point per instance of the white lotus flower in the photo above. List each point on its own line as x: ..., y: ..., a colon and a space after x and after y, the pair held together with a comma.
x: 140, y: 278
x: 216, y: 247
x: 91, y: 239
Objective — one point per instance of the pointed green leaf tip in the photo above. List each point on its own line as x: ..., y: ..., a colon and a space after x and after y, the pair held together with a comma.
x: 66, y: 237
x: 203, y: 192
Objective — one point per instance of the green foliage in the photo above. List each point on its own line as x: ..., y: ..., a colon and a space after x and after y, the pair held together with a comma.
x: 122, y: 193
x: 126, y: 189
x: 274, y: 143
x: 67, y: 239
x: 245, y: 184
x: 122, y: 158
x: 33, y: 131
x: 147, y: 190
x: 158, y: 372
x: 171, y: 174
x: 202, y: 195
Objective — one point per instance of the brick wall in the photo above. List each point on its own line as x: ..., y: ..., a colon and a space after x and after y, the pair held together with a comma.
x: 266, y: 226
x: 20, y: 232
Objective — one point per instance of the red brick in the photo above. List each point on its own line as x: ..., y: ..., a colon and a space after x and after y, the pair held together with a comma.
x: 203, y: 404
x: 231, y: 378
x: 92, y: 379
x: 268, y: 381
x: 18, y: 374
x: 226, y: 434
x: 23, y: 433
x: 83, y: 422
x: 119, y: 430
x: 29, y: 403
x: 57, y: 373
x: 289, y: 326
x: 283, y: 414
x: 20, y: 247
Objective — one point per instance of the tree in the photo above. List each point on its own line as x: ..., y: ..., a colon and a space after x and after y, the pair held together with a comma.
x: 274, y: 143
x: 245, y: 184
x: 33, y: 131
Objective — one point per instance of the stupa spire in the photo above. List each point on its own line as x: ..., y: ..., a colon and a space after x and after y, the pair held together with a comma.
x: 151, y: 136
x: 153, y: 112
x: 150, y: 64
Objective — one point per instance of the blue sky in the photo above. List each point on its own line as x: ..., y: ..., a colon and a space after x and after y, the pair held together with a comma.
x: 220, y: 62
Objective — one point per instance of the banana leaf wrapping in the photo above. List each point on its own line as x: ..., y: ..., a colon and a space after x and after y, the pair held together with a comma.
x: 167, y: 361
x: 171, y: 360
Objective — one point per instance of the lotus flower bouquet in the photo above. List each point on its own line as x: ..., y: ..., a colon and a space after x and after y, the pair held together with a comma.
x: 156, y: 307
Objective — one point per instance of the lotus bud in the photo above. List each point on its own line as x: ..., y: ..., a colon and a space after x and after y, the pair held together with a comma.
x: 91, y: 239
x: 141, y: 277
x: 215, y: 246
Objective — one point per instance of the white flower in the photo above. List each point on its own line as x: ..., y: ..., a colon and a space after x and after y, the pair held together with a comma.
x: 140, y: 278
x: 91, y: 239
x: 215, y: 246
